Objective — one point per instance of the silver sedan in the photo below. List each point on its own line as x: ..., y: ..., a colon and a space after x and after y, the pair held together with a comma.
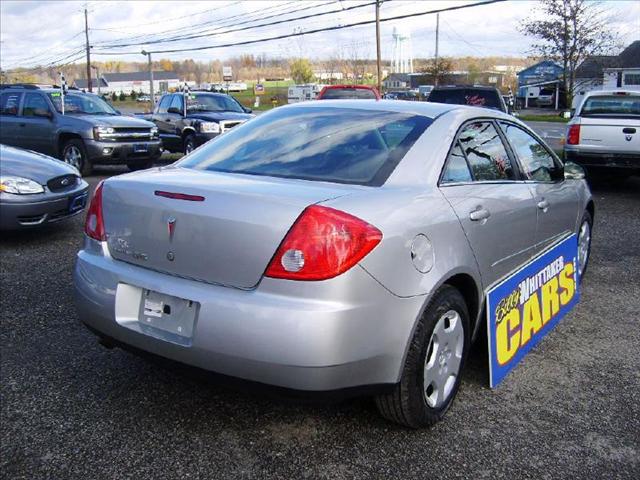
x: 334, y: 245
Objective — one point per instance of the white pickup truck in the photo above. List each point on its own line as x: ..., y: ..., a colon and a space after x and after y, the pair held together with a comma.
x: 604, y: 134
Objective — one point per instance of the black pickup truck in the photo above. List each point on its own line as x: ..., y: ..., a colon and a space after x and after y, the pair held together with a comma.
x: 187, y: 120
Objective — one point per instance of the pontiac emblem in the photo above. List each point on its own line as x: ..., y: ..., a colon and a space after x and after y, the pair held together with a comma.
x: 171, y: 226
x: 628, y: 137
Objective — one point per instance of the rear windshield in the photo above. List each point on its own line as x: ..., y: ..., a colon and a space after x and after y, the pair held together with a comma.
x: 615, y: 105
x: 340, y: 145
x: 348, y: 93
x: 465, y: 96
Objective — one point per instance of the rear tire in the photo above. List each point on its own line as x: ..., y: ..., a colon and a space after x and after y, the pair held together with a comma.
x: 75, y: 153
x: 584, y: 243
x: 436, y: 355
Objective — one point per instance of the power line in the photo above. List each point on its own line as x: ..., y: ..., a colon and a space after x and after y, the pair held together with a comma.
x: 195, y: 35
x: 156, y: 22
x: 277, y: 22
x: 309, y: 32
x: 189, y: 27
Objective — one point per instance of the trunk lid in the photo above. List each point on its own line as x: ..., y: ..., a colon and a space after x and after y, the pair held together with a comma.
x: 228, y: 238
x: 615, y: 134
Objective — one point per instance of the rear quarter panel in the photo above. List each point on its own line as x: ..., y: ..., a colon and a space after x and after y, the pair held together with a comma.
x: 402, y: 214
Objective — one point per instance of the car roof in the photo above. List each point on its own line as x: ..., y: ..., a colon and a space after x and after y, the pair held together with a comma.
x: 464, y: 87
x: 619, y: 91
x: 361, y: 87
x: 427, y: 109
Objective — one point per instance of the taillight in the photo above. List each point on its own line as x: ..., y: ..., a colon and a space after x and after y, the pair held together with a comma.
x: 94, y: 223
x: 322, y: 244
x: 573, y: 135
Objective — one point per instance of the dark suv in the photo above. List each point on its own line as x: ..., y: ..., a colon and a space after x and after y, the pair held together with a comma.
x: 475, y: 96
x: 89, y: 132
x: 187, y: 120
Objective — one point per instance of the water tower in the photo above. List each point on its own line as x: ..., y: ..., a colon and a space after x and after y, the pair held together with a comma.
x: 402, y: 56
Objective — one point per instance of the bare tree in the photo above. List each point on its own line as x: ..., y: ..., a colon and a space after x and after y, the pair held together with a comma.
x: 569, y: 31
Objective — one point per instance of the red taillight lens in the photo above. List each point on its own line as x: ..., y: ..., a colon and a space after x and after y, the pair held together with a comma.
x: 94, y: 223
x: 573, y: 136
x: 322, y: 244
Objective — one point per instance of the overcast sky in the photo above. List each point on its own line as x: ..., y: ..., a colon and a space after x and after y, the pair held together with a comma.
x: 38, y: 32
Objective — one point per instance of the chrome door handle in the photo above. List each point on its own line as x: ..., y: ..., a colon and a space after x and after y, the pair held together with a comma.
x: 543, y: 205
x: 479, y: 214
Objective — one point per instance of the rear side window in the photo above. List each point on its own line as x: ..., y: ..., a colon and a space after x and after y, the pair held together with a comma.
x: 537, y: 162
x: 348, y: 93
x: 340, y: 145
x: 34, y: 102
x: 457, y: 169
x: 485, y: 152
x: 9, y: 103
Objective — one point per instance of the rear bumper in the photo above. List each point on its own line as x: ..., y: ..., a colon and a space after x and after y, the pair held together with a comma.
x: 20, y: 212
x: 610, y: 160
x: 123, y: 152
x: 311, y: 336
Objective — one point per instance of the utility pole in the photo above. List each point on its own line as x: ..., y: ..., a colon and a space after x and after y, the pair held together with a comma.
x: 378, y: 59
x: 86, y: 36
x: 436, y: 67
x: 153, y: 100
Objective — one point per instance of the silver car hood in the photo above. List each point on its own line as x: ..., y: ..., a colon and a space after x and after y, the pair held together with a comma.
x: 227, y: 238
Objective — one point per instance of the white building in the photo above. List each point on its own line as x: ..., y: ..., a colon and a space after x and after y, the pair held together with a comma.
x: 133, y: 81
x: 608, y: 72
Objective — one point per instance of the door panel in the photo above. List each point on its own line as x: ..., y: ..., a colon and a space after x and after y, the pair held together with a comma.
x: 557, y: 205
x: 500, y: 223
x: 9, y: 120
x: 36, y: 132
x: 556, y: 200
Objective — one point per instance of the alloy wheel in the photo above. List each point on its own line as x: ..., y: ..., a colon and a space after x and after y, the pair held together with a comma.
x: 443, y: 359
x: 584, y: 242
x: 73, y: 156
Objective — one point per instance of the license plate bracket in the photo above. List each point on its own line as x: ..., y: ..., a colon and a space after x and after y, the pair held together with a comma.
x: 140, y: 148
x: 167, y: 313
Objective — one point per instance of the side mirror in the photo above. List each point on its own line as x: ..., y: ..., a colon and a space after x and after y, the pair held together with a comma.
x: 573, y: 171
x: 174, y: 110
x: 118, y: 112
x: 247, y: 110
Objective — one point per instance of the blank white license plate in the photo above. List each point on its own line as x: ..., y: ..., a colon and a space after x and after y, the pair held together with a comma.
x: 170, y: 314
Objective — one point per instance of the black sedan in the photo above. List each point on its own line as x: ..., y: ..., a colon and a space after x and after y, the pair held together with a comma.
x: 37, y: 190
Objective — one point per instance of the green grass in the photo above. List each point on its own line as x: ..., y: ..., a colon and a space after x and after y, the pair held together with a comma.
x: 543, y: 118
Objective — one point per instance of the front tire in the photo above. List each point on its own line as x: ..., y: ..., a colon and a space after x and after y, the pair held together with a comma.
x: 431, y: 374
x: 189, y: 144
x: 75, y: 154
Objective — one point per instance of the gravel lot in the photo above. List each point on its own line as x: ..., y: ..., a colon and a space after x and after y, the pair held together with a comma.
x: 72, y: 409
